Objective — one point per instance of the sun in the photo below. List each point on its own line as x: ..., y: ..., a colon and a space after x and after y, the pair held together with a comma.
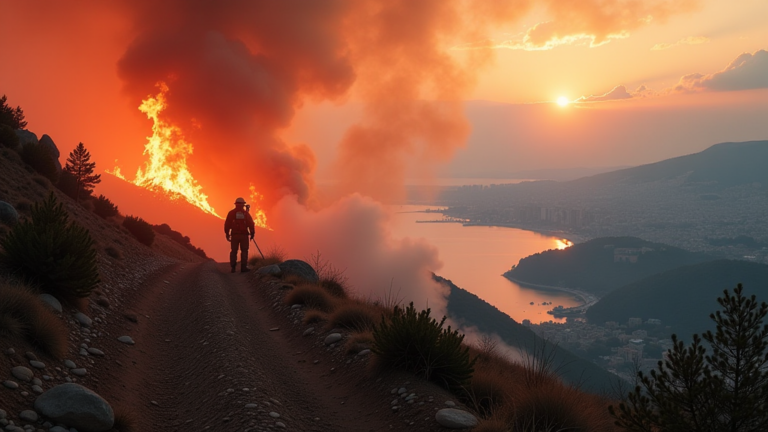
x: 563, y: 101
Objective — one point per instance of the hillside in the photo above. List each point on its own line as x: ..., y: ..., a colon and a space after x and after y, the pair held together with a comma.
x: 470, y: 310
x: 683, y: 297
x: 721, y: 165
x: 601, y: 265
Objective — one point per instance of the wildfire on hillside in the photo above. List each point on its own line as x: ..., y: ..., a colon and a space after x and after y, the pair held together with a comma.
x: 166, y: 171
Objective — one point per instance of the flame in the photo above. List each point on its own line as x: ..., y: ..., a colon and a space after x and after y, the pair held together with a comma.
x: 115, y: 172
x: 258, y: 215
x: 563, y: 244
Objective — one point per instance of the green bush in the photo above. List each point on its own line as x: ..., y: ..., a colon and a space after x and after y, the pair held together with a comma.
x: 416, y: 343
x: 140, y: 229
x: 103, y: 207
x: 40, y: 158
x: 8, y: 137
x: 53, y: 252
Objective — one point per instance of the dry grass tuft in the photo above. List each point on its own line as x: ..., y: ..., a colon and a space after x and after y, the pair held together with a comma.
x: 355, y: 316
x: 557, y: 407
x: 358, y: 341
x: 311, y: 296
x: 335, y: 287
x: 24, y: 206
x: 314, y: 316
x: 24, y: 316
x: 125, y: 420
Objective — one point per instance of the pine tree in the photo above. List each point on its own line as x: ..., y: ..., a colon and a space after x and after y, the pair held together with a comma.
x: 12, y: 117
x: 692, y: 391
x: 80, y: 166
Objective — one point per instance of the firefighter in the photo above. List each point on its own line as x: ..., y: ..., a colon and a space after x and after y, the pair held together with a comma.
x: 239, y: 227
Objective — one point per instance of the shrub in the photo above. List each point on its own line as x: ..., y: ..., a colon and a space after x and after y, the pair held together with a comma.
x: 103, y: 207
x: 417, y: 343
x: 176, y: 236
x: 8, y: 137
x: 314, y: 316
x: 335, y: 287
x: 40, y: 158
x: 53, y: 252
x: 558, y: 408
x: 312, y: 296
x: 358, y: 341
x: 354, y: 316
x: 140, y: 229
x: 23, y: 316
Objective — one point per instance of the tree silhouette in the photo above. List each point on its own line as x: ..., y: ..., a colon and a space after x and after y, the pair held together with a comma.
x: 12, y: 117
x: 724, y: 391
x: 80, y: 166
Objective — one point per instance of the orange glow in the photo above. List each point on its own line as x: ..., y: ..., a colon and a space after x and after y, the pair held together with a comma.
x: 563, y: 101
x: 259, y: 217
x: 563, y: 244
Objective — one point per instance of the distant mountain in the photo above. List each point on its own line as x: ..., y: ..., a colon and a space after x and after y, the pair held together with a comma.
x: 601, y: 265
x: 471, y: 310
x: 683, y: 297
x: 726, y: 164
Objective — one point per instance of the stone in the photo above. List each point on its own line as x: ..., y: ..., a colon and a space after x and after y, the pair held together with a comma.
x: 309, y: 331
x: 450, y: 404
x: 280, y: 425
x: 37, y: 381
x: 332, y: 338
x: 69, y: 364
x: 26, y: 137
x: 83, y: 319
x: 364, y: 352
x: 299, y: 268
x: 251, y: 405
x: 58, y: 429
x: 79, y: 371
x: 453, y: 418
x: 37, y: 364
x: 274, y: 414
x: 49, y: 145
x: 11, y: 384
x: 76, y: 407
x: 51, y: 302
x: 8, y: 214
x: 126, y: 340
x: 28, y: 415
x: 273, y: 269
x: 22, y: 373
x: 37, y: 389
x: 96, y: 352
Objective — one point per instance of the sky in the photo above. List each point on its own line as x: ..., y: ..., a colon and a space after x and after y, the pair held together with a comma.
x: 371, y: 94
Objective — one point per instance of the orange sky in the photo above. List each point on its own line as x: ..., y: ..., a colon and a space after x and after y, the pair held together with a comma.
x: 494, y: 67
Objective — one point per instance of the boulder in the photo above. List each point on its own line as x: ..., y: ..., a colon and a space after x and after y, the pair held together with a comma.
x: 76, y: 407
x: 26, y: 137
x: 273, y: 269
x: 51, y: 301
x: 8, y: 214
x: 48, y: 143
x: 453, y: 418
x: 299, y: 268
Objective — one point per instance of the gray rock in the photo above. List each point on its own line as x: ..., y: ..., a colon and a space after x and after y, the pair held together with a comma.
x: 251, y: 405
x: 332, y: 338
x: 364, y: 352
x: 83, y: 319
x: 69, y: 364
x: 96, y: 352
x: 3, y: 414
x: 22, y: 373
x: 273, y: 269
x: 79, y: 371
x: 37, y: 389
x: 52, y: 302
x: 37, y: 364
x: 28, y: 415
x: 450, y: 404
x: 13, y: 385
x: 77, y: 407
x: 126, y: 340
x: 299, y: 268
x: 8, y: 214
x: 58, y: 429
x: 37, y: 381
x: 26, y: 137
x: 453, y: 418
x: 49, y: 145
x: 274, y: 414
x: 309, y: 331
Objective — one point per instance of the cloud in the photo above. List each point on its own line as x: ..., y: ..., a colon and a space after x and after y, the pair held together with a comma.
x: 589, y: 22
x: 690, y: 40
x: 617, y: 93
x: 746, y: 72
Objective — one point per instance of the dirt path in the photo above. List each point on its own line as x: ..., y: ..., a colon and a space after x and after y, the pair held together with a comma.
x: 208, y: 357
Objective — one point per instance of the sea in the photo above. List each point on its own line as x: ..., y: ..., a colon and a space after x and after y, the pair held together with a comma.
x: 475, y: 257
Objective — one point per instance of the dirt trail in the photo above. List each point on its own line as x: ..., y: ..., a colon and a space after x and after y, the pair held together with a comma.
x: 206, y: 351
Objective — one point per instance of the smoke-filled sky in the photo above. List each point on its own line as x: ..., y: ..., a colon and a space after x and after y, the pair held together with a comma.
x: 369, y: 93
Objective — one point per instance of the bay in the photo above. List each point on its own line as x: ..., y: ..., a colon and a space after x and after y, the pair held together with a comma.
x: 475, y: 257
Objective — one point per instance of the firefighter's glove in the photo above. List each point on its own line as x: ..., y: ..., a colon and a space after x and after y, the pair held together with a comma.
x: 228, y: 237
x: 251, y: 236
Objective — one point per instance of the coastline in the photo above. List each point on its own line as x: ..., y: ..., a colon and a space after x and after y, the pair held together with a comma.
x: 585, y: 298
x: 567, y: 235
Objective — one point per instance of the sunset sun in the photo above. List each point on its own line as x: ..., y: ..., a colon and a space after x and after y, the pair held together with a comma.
x: 563, y: 101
